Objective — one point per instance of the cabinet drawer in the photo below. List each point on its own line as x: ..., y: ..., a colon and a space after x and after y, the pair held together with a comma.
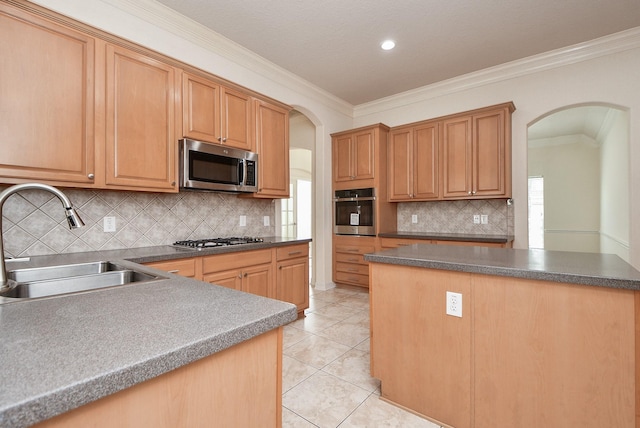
x: 350, y: 258
x: 183, y: 267
x: 352, y: 278
x: 292, y: 251
x: 401, y: 242
x: 350, y: 249
x: 352, y: 268
x: 222, y: 262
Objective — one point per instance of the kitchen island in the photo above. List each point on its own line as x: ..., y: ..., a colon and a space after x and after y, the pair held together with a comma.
x: 545, y: 338
x: 158, y: 353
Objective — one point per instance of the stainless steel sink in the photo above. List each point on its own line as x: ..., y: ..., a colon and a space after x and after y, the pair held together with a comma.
x: 65, y: 279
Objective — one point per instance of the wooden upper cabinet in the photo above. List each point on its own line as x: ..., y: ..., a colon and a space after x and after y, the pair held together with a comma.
x: 46, y: 102
x: 354, y: 156
x: 476, y: 152
x: 414, y: 163
x: 141, y: 145
x: 272, y: 146
x: 456, y: 153
x: 214, y: 113
x: 358, y: 159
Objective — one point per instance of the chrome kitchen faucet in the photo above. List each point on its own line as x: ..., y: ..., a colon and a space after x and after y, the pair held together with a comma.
x: 72, y: 217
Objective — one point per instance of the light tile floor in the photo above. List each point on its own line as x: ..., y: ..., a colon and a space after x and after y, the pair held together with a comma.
x: 326, y: 381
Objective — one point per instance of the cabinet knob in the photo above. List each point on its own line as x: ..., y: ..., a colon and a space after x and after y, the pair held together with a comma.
x: 219, y: 138
x: 239, y: 275
x: 173, y: 183
x: 246, y: 274
x: 280, y: 267
x: 91, y: 176
x: 224, y: 139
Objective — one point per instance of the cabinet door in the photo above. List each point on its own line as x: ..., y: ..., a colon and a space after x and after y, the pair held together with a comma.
x: 293, y: 282
x: 426, y: 162
x: 342, y: 158
x: 364, y: 155
x: 272, y: 143
x: 140, y: 102
x: 456, y: 152
x: 236, y: 120
x: 489, y: 154
x: 257, y: 280
x: 200, y: 108
x: 400, y: 158
x: 46, y: 102
x: 230, y: 279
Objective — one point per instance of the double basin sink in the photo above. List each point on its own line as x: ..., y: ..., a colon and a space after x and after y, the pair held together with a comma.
x: 65, y: 279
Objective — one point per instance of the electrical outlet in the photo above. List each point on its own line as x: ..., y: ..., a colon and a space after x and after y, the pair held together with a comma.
x: 476, y: 219
x: 266, y: 220
x: 484, y: 219
x: 243, y: 220
x: 414, y: 218
x: 109, y: 224
x: 454, y: 304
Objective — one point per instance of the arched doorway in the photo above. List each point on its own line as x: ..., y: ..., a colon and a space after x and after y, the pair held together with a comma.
x: 578, y: 173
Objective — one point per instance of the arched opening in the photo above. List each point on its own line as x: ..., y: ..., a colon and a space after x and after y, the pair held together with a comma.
x: 578, y: 172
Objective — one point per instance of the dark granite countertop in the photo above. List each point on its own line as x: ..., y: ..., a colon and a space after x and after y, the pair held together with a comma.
x: 604, y: 270
x: 61, y: 352
x: 501, y: 239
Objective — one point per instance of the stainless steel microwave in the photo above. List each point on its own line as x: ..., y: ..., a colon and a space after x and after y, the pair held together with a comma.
x: 209, y: 166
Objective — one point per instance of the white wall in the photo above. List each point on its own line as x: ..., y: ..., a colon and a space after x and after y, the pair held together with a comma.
x: 609, y: 78
x: 614, y: 217
x: 571, y: 173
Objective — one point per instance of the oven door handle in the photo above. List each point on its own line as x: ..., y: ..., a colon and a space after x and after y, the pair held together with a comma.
x: 368, y: 198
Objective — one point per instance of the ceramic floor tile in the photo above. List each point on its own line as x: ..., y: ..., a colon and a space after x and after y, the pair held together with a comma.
x: 324, y: 400
x: 354, y: 367
x: 365, y: 345
x: 375, y: 412
x: 313, y: 323
x: 316, y: 351
x: 335, y: 310
x: 316, y: 303
x: 294, y: 372
x: 356, y: 301
x: 293, y: 335
x: 291, y: 420
x: 350, y: 334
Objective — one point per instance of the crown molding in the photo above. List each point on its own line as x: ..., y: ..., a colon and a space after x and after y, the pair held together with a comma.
x: 187, y: 29
x: 603, y: 46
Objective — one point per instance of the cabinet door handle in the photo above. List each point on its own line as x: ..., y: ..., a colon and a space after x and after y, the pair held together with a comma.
x: 239, y: 275
x: 174, y: 271
x: 293, y: 253
x: 91, y: 176
x: 353, y: 260
x: 280, y: 267
x: 352, y: 270
x: 353, y: 250
x: 246, y: 274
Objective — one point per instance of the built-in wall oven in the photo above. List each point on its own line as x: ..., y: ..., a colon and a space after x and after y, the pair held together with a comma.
x: 354, y: 212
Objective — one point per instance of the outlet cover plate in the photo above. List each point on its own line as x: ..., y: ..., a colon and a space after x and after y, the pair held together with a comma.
x: 454, y: 304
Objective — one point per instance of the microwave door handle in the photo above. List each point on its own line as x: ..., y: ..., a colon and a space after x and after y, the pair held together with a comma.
x: 242, y: 172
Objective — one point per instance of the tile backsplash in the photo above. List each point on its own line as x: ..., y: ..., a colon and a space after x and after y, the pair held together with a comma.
x: 33, y: 221
x: 457, y: 217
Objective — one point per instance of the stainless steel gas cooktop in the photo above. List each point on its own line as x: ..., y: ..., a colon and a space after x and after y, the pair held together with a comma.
x: 199, y: 244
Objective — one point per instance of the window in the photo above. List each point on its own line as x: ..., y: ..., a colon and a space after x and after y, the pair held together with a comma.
x: 536, y: 212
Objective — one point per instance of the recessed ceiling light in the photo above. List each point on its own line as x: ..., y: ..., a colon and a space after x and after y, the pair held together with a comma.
x: 388, y: 45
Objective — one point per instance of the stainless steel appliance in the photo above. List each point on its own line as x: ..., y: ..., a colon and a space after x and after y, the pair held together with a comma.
x: 199, y: 244
x: 354, y: 212
x: 209, y: 166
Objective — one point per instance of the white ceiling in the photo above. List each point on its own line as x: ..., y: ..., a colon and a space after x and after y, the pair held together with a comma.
x: 588, y: 121
x: 334, y: 44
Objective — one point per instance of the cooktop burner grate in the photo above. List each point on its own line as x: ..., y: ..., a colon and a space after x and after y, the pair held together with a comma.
x: 217, y: 242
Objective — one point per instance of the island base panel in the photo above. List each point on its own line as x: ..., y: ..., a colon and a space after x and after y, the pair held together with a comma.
x: 238, y: 387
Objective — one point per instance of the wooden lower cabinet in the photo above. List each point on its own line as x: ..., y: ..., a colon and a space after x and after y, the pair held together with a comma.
x: 280, y: 273
x: 238, y: 387
x: 191, y: 268
x: 526, y: 353
x: 292, y: 275
x: 251, y: 272
x: 349, y: 266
